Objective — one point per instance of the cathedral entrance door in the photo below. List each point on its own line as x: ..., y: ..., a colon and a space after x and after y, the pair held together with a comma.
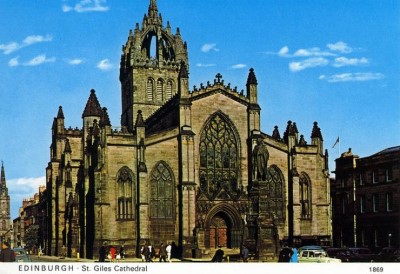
x: 218, y: 232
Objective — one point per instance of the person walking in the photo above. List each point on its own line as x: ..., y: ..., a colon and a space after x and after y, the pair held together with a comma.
x: 6, y: 255
x: 113, y: 253
x: 168, y: 249
x: 122, y: 252
x: 218, y: 256
x: 245, y: 254
x: 163, y: 253
x: 102, y: 253
x: 294, y: 258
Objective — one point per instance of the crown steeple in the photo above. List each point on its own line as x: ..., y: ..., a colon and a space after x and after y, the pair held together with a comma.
x: 3, y: 185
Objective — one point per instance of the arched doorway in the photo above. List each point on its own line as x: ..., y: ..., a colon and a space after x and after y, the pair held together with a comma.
x: 223, y: 227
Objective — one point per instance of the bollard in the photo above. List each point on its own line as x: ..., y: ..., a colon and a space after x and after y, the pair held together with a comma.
x: 77, y: 255
x: 227, y: 258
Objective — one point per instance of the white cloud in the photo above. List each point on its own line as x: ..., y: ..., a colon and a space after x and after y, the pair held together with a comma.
x: 201, y: 65
x: 104, y: 65
x: 308, y: 63
x: 29, y: 40
x: 343, y: 61
x: 283, y: 51
x: 74, y: 61
x: 209, y: 47
x: 311, y: 52
x: 353, y: 77
x: 87, y: 6
x: 239, y: 66
x: 341, y: 47
x: 26, y: 186
x: 40, y: 59
x: 13, y: 62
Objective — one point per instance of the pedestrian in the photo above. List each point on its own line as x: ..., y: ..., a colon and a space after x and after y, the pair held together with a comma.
x: 245, y: 254
x: 163, y: 253
x: 150, y: 254
x: 113, y: 253
x: 294, y: 258
x: 285, y: 254
x: 218, y: 256
x: 102, y: 253
x: 122, y: 252
x: 6, y: 254
x: 168, y: 249
x: 144, y: 251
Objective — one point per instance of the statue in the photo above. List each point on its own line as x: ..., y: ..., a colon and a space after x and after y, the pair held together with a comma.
x: 260, y: 160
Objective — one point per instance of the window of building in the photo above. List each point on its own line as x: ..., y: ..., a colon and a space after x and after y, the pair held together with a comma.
x: 169, y: 90
x: 360, y: 179
x: 375, y: 178
x: 150, y: 90
x: 276, y: 194
x: 161, y: 191
x: 389, y: 201
x: 389, y: 174
x: 375, y: 203
x: 160, y: 90
x: 363, y: 204
x: 305, y: 195
x: 125, y: 194
x: 219, y: 155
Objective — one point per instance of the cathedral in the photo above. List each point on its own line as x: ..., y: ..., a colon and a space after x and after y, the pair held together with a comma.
x: 5, y: 219
x: 186, y: 166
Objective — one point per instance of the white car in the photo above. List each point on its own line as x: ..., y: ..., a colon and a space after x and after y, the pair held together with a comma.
x: 315, y: 256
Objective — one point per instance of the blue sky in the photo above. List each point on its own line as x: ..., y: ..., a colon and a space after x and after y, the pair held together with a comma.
x: 336, y: 62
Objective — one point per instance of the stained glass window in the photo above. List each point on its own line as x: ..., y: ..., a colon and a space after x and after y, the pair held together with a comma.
x: 275, y: 183
x: 162, y: 192
x: 125, y: 194
x: 219, y: 155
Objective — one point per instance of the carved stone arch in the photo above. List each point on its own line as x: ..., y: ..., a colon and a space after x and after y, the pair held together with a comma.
x: 162, y: 191
x: 219, y: 155
x: 147, y: 42
x: 305, y: 195
x: 160, y: 97
x: 223, y: 227
x: 150, y: 87
x: 125, y: 190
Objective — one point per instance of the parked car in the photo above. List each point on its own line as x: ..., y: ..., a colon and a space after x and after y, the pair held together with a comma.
x: 363, y: 254
x: 21, y: 255
x: 344, y: 254
x: 317, y: 255
x: 389, y: 254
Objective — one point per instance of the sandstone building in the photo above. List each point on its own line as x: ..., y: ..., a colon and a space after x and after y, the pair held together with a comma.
x: 189, y: 166
x: 365, y: 200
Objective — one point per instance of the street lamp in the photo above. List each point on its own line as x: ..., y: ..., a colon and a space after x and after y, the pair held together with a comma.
x: 389, y: 236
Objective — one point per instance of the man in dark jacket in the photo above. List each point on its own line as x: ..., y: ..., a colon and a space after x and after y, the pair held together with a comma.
x: 6, y: 255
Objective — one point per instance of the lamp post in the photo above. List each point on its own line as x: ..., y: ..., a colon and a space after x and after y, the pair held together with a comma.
x: 389, y: 236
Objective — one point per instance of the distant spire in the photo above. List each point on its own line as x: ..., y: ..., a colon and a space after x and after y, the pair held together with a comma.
x: 3, y: 185
x: 153, y: 10
x: 92, y: 106
x: 60, y: 114
x: 251, y: 79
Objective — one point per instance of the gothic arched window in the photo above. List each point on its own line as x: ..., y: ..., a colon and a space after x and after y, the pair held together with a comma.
x: 219, y: 155
x: 125, y: 194
x: 276, y: 192
x: 160, y: 90
x: 305, y: 195
x: 149, y: 90
x: 161, y: 191
x: 169, y: 90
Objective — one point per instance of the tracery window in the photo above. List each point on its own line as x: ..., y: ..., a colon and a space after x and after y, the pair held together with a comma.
x: 276, y: 193
x: 160, y: 85
x: 219, y: 155
x: 149, y: 90
x: 305, y: 195
x: 169, y: 90
x: 161, y: 191
x: 125, y: 194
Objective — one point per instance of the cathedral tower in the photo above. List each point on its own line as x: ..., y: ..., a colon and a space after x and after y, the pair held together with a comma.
x: 150, y: 65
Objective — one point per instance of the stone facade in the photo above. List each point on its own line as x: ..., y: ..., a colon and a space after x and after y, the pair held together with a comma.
x: 182, y: 166
x: 365, y: 197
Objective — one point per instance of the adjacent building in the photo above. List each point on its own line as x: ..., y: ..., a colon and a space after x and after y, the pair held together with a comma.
x: 366, y: 200
x: 189, y: 166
